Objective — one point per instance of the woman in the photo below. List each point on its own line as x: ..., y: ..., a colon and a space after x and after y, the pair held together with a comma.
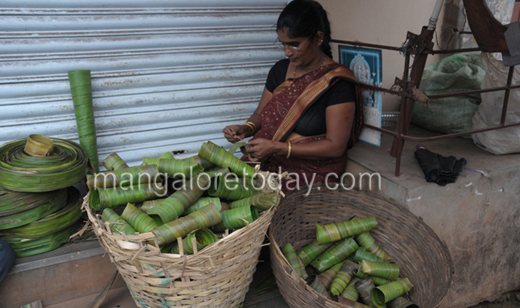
x: 310, y: 110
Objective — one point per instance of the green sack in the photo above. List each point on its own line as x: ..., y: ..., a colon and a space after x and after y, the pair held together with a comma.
x: 457, y: 73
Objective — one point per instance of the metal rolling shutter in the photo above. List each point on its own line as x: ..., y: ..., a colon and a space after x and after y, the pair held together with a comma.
x: 166, y: 75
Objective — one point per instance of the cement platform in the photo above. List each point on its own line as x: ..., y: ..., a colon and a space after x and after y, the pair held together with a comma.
x: 478, y: 217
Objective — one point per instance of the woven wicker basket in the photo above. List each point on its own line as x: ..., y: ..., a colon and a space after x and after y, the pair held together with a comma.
x: 414, y: 246
x: 217, y: 276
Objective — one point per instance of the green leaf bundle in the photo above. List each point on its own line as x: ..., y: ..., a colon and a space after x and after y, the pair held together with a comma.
x: 54, y: 222
x: 203, y: 218
x: 174, y: 168
x: 202, y: 202
x: 350, y: 291
x: 292, y: 258
x: 114, y: 162
x: 150, y: 204
x: 116, y: 223
x: 312, y: 251
x: 22, y: 172
x: 81, y: 90
x: 28, y: 216
x: 336, y: 231
x: 237, y: 218
x: 175, y: 205
x: 101, y: 198
x: 138, y: 219
x: 261, y: 201
x: 334, y: 255
x: 232, y: 188
x: 366, y: 240
x: 385, y: 293
x: 16, y: 202
x: 385, y: 270
x: 29, y: 247
x: 362, y: 254
x: 124, y: 177
x: 220, y: 157
x: 343, y: 277
x: 203, y: 237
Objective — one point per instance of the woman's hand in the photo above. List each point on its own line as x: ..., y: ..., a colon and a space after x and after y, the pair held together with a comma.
x: 235, y: 133
x: 260, y: 149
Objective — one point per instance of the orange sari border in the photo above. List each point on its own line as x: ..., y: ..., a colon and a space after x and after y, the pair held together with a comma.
x: 307, y: 97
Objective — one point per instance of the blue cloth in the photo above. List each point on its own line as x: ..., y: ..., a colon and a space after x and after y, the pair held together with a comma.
x: 7, y: 258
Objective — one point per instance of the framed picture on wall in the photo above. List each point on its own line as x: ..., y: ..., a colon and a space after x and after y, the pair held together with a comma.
x: 366, y: 64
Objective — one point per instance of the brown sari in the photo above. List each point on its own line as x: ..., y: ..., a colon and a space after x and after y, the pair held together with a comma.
x: 280, y: 116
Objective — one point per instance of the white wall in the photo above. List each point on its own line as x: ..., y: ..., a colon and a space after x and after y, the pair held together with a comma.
x: 380, y: 22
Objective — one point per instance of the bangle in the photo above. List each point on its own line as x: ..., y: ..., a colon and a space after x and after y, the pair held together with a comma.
x: 289, y: 149
x: 251, y: 125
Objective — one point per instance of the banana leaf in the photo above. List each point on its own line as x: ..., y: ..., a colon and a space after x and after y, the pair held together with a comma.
x: 15, y: 202
x: 34, y: 214
x: 150, y: 204
x: 237, y: 218
x: 200, y: 161
x: 175, y: 205
x: 101, y: 198
x: 138, y: 219
x: 203, y: 218
x: 26, y: 248
x: 364, y: 287
x: 38, y: 145
x: 66, y: 166
x: 174, y: 168
x: 350, y: 291
x: 80, y: 87
x: 292, y: 259
x: 334, y: 255
x: 124, y: 177
x: 116, y: 223
x: 203, y: 237
x: 114, y: 162
x: 366, y: 240
x: 336, y: 231
x: 261, y: 201
x: 222, y: 158
x: 310, y: 252
x: 232, y: 188
x: 213, y: 172
x: 378, y: 281
x: 385, y: 293
x: 401, y: 302
x: 362, y: 254
x: 167, y: 155
x: 318, y: 286
x: 385, y: 270
x: 343, y: 277
x: 202, y: 202
x: 54, y: 222
x: 328, y: 276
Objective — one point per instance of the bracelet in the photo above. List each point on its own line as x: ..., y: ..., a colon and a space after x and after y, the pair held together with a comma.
x: 251, y: 125
x: 289, y: 150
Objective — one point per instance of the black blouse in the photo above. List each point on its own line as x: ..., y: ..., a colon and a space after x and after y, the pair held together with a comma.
x: 313, y: 120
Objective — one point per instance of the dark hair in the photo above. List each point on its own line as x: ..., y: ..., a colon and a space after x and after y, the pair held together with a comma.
x: 304, y: 18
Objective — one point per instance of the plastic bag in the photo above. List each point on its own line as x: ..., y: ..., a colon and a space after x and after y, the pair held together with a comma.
x: 456, y: 73
x: 505, y: 140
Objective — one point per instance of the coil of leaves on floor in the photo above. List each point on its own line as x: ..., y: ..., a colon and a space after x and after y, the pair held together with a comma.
x: 39, y: 207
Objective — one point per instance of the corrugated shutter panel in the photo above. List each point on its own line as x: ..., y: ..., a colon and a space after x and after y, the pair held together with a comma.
x: 166, y: 75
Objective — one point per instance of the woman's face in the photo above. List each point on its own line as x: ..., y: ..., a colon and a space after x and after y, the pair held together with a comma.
x: 306, y: 51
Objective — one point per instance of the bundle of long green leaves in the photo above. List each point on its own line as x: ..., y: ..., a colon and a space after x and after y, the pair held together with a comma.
x: 64, y: 167
x: 34, y: 223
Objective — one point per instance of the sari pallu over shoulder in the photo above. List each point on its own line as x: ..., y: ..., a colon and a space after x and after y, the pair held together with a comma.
x: 280, y: 116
